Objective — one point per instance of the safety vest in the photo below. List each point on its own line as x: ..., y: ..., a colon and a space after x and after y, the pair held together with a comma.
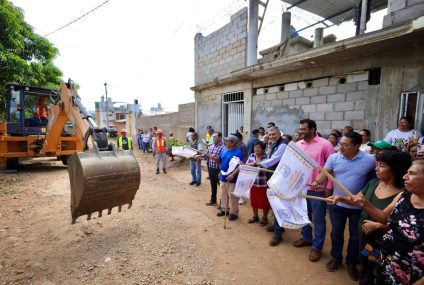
x: 160, y: 145
x: 128, y: 146
x: 41, y: 110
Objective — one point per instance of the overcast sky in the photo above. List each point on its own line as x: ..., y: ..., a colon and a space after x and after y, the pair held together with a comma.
x: 145, y: 49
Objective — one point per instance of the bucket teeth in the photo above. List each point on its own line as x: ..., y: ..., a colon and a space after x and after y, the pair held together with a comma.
x: 119, y: 208
x: 129, y: 205
x: 88, y: 216
x: 109, y: 211
x: 100, y: 213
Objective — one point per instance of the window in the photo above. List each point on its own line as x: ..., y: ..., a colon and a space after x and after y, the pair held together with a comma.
x: 374, y: 76
x: 233, y: 112
x: 15, y: 106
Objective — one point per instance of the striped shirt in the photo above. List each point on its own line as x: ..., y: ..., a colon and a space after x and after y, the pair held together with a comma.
x: 214, y: 149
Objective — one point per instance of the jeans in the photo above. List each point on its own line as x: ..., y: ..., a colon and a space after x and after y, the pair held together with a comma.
x: 145, y: 146
x: 213, y: 178
x: 338, y: 217
x: 158, y: 157
x: 316, y: 212
x: 278, y: 231
x: 196, y: 170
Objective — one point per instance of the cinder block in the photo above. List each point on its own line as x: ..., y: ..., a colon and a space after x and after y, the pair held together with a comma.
x: 396, y: 5
x: 334, y: 116
x: 296, y: 94
x: 333, y: 81
x: 362, y: 85
x: 336, y: 98
x: 354, y: 115
x: 339, y: 124
x: 283, y: 95
x: 320, y: 82
x: 309, y: 108
x: 289, y: 102
x: 357, y: 124
x: 273, y: 89
x: 318, y: 99
x: 323, y: 125
x: 301, y: 85
x: 343, y: 106
x: 327, y: 90
x: 357, y: 77
x: 260, y: 91
x: 276, y: 103
x: 327, y: 107
x: 302, y: 101
x: 290, y: 87
x: 359, y: 105
x: 316, y: 116
x: 345, y: 88
x: 355, y: 96
x: 270, y: 96
x: 309, y: 92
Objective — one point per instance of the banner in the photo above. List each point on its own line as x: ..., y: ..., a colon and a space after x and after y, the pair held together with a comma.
x: 246, y: 177
x: 288, y: 184
x: 291, y: 176
x: 234, y: 162
x: 290, y: 213
x: 184, y: 151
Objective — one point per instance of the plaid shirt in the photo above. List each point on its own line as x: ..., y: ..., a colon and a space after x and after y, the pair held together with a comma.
x: 214, y: 149
x: 261, y: 178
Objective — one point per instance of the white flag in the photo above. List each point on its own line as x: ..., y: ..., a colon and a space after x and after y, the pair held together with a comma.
x: 184, y: 151
x: 246, y: 177
x: 290, y: 213
x: 234, y: 162
x: 292, y: 174
x: 288, y: 185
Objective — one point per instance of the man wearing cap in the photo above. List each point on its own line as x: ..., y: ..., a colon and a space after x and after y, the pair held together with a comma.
x: 160, y: 147
x: 380, y: 146
x: 124, y: 142
x: 228, y: 182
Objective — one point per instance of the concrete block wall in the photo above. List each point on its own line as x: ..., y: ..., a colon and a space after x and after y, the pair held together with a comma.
x: 331, y: 104
x: 400, y: 11
x: 223, y: 51
x: 178, y: 122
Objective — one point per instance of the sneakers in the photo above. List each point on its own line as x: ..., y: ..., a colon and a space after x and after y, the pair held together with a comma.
x: 314, y: 255
x: 164, y: 170
x: 353, y: 272
x: 211, y: 203
x: 301, y: 243
x: 221, y: 213
x: 275, y: 241
x: 198, y: 184
x: 157, y: 171
x: 332, y: 265
x: 242, y: 201
x: 233, y: 217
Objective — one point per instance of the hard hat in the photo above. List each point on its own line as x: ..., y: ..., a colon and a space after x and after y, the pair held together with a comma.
x: 123, y: 131
x: 159, y: 131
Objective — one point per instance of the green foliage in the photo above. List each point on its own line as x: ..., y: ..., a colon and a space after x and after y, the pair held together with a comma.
x: 25, y: 57
x: 174, y: 142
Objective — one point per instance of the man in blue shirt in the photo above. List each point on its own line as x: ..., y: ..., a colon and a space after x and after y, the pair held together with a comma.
x: 228, y: 182
x: 252, y: 140
x: 352, y: 168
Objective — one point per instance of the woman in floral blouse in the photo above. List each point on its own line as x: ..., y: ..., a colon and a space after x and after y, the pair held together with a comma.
x: 402, y: 247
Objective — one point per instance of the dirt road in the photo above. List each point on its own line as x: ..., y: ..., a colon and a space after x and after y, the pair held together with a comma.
x: 168, y: 237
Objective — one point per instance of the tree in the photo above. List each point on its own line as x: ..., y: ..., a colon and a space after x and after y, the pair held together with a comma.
x: 25, y: 57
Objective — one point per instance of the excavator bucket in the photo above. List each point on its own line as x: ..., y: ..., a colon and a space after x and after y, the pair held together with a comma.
x: 102, y: 180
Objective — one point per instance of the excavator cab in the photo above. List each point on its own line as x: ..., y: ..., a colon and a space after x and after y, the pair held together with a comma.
x: 26, y: 109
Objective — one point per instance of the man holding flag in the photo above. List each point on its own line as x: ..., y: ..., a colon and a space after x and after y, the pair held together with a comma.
x: 318, y: 149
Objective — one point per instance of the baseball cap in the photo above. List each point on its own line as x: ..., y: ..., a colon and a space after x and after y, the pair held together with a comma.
x: 381, y: 145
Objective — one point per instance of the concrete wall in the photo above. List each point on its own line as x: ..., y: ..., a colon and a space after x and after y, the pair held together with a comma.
x: 400, y: 11
x: 177, y: 122
x: 222, y: 51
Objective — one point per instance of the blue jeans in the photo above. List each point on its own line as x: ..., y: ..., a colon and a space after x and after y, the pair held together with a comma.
x: 278, y: 231
x: 316, y: 212
x: 338, y: 217
x: 196, y: 170
x: 145, y: 146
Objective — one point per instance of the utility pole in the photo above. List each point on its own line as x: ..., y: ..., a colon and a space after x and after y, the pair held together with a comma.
x: 107, y: 108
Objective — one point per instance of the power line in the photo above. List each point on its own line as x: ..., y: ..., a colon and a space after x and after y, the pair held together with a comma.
x: 77, y: 19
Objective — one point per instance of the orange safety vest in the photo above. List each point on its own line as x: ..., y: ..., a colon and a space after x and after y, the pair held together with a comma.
x: 41, y: 110
x: 160, y: 145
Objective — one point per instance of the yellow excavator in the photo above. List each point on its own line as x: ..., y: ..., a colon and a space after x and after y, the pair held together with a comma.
x: 101, y: 176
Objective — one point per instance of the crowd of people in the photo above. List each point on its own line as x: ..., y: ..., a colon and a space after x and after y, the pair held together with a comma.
x: 385, y: 178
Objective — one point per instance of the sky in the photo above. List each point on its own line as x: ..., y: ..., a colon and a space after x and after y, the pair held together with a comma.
x: 145, y: 49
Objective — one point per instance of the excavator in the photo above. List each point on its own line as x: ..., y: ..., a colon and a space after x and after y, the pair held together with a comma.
x: 101, y: 176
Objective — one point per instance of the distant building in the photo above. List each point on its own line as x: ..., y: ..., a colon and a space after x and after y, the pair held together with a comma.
x: 157, y: 110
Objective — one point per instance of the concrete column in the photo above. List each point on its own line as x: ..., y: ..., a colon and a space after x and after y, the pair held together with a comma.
x: 363, y: 24
x: 197, y: 39
x: 252, y: 33
x: 319, y: 37
x: 247, y: 108
x: 285, y: 26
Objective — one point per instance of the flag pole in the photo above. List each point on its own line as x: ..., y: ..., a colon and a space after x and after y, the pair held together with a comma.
x: 227, y: 204
x: 318, y: 198
x: 331, y: 177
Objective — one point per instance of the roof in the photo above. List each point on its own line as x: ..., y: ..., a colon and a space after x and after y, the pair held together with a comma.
x: 335, y: 11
